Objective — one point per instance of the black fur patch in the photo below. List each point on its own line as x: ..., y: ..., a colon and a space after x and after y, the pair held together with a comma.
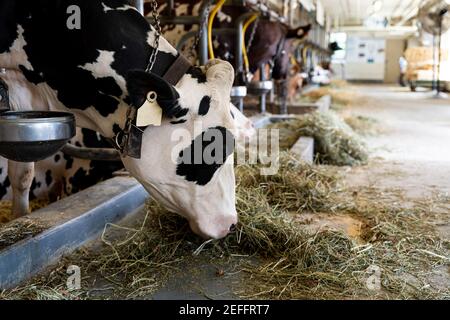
x: 198, y: 74
x: 57, y: 158
x: 201, y: 173
x: 205, y: 104
x: 181, y: 113
x: 34, y: 185
x: 69, y: 162
x: 116, y: 128
x: 4, y: 187
x: 178, y: 122
x: 48, y: 178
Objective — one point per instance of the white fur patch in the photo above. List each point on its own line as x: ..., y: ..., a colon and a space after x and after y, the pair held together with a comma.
x: 164, y: 45
x: 16, y: 55
x: 102, y: 69
x: 123, y: 8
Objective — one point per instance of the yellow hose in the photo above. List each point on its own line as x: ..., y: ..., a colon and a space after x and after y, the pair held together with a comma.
x: 294, y: 61
x: 216, y: 9
x: 244, y: 49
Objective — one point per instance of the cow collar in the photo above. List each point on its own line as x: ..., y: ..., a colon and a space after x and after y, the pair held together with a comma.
x: 129, y: 140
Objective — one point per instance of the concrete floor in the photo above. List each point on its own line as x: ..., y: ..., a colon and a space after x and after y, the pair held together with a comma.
x: 414, y: 143
x: 413, y: 151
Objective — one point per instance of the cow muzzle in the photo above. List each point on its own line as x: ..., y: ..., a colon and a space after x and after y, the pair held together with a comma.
x: 217, y: 230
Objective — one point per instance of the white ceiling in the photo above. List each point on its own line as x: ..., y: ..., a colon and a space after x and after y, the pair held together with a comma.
x: 354, y: 12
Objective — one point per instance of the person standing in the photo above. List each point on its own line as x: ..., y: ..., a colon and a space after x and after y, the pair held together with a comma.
x: 403, y: 69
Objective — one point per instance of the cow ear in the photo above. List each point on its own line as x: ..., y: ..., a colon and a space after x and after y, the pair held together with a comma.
x: 139, y: 83
x: 299, y: 33
x: 221, y: 74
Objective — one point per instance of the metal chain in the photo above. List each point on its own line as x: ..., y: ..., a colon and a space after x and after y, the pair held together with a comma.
x: 157, y: 27
x: 199, y: 35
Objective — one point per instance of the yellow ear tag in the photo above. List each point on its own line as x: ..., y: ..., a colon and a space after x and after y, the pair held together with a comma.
x: 150, y: 113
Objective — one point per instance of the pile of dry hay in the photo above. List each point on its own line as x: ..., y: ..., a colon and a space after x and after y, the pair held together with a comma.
x: 339, y: 98
x: 292, y: 263
x: 335, y: 142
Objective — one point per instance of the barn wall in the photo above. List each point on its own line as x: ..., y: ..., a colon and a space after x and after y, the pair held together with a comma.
x: 394, y: 50
x: 365, y: 58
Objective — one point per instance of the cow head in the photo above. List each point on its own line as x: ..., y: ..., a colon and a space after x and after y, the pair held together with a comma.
x: 186, y: 163
x: 281, y: 63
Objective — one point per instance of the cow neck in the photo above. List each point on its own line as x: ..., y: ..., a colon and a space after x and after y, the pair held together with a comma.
x: 129, y: 140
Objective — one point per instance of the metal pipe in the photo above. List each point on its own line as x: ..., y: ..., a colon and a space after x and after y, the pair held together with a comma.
x: 184, y: 39
x: 203, y: 41
x: 139, y: 4
x: 170, y: 7
x: 263, y: 100
x: 239, y: 60
x: 98, y: 154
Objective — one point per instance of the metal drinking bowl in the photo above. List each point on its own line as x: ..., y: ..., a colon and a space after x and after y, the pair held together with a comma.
x: 259, y: 88
x: 30, y: 136
x: 238, y: 92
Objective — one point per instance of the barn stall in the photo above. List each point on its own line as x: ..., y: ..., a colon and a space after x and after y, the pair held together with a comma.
x: 357, y: 207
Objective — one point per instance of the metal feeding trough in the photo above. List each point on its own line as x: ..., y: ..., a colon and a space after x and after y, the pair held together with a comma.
x: 30, y: 136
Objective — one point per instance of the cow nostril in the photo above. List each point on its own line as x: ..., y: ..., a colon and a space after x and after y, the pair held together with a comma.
x: 233, y: 228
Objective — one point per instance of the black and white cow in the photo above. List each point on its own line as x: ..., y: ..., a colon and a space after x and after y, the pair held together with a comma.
x: 60, y: 175
x: 97, y: 72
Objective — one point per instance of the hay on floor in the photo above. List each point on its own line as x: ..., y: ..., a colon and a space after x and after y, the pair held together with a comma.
x: 335, y: 142
x: 339, y: 97
x: 17, y: 231
x: 399, y: 239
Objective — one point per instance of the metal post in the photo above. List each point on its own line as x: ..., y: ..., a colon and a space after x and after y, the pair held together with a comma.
x: 263, y: 100
x: 185, y: 38
x: 170, y: 8
x: 438, y: 83
x: 203, y: 41
x: 139, y: 4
